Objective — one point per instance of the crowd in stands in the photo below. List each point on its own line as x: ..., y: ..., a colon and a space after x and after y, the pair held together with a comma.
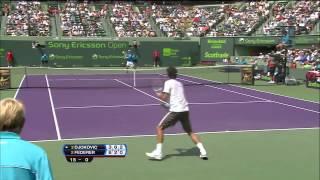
x: 177, y: 21
x: 104, y: 10
x: 5, y: 10
x: 170, y: 19
x: 53, y: 9
x: 244, y: 20
x: 130, y: 22
x: 78, y: 19
x: 307, y: 58
x: 304, y: 56
x: 204, y: 20
x: 27, y: 19
x: 303, y: 16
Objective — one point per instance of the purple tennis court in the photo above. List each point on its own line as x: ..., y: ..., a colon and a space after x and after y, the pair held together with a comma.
x: 123, y: 110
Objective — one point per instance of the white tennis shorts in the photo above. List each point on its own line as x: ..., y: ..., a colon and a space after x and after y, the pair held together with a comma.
x: 130, y: 64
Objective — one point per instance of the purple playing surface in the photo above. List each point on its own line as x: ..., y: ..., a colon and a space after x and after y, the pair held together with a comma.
x: 105, y: 112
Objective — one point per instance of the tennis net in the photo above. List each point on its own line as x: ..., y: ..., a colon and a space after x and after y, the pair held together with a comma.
x: 39, y: 77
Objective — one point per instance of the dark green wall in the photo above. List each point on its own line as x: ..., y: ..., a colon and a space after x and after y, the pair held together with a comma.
x: 182, y: 53
x: 23, y: 53
x: 100, y: 53
x: 79, y: 52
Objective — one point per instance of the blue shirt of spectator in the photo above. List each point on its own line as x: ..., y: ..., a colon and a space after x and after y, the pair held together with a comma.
x: 19, y: 159
x: 285, y: 39
x: 20, y: 154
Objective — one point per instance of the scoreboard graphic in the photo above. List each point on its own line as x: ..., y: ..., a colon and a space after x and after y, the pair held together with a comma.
x: 86, y: 152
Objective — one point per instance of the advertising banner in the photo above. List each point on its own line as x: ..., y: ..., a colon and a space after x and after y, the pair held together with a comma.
x: 216, y: 49
x: 4, y: 78
x: 176, y: 53
x: 86, y: 53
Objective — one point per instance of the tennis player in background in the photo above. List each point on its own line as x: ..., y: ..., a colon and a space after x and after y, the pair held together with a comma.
x: 173, y: 92
x: 132, y: 60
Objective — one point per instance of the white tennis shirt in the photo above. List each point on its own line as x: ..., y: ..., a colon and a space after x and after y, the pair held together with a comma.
x: 178, y: 102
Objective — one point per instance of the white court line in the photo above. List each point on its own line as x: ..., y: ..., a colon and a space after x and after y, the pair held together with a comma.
x: 177, y: 134
x: 53, y: 109
x: 88, y: 79
x: 100, y: 79
x: 110, y: 106
x: 16, y: 94
x: 140, y: 90
x: 146, y: 105
x: 289, y: 97
x: 276, y: 102
x: 232, y: 102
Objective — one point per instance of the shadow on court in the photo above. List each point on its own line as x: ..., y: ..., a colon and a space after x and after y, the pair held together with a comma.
x: 181, y: 152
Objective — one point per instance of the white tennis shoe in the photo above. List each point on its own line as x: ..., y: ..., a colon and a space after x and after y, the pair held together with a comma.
x: 154, y: 155
x: 204, y: 156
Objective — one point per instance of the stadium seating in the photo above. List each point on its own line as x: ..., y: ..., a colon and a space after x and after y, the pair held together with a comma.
x: 303, y: 15
x: 245, y: 19
x: 129, y: 21
x: 147, y: 19
x: 80, y: 19
x: 177, y: 21
x: 28, y: 19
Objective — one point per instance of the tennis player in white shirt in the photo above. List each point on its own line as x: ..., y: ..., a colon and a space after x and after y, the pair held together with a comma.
x: 173, y: 92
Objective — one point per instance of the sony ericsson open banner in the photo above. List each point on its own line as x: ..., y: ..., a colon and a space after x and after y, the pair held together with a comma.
x: 216, y: 49
x: 86, y: 53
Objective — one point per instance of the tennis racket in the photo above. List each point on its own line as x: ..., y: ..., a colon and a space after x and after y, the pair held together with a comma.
x: 157, y: 85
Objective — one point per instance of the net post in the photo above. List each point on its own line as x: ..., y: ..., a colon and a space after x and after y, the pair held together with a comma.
x: 228, y: 74
x: 26, y: 76
x: 134, y: 78
x: 252, y: 74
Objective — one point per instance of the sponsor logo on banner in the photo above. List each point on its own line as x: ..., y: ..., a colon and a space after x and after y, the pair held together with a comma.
x: 4, y: 78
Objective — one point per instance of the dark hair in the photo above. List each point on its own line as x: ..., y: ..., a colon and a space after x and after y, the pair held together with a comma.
x: 172, y: 72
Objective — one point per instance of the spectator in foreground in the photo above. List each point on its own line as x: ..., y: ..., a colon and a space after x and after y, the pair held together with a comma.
x: 20, y: 159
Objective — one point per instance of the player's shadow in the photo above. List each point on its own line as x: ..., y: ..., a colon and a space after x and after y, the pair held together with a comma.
x: 183, y: 152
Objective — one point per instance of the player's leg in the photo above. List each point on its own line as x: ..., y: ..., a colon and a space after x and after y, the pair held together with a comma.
x: 157, y: 62
x: 42, y: 63
x: 185, y: 121
x: 168, y: 120
x: 271, y: 72
x: 128, y: 64
x: 11, y: 63
x: 134, y: 65
x: 160, y: 134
